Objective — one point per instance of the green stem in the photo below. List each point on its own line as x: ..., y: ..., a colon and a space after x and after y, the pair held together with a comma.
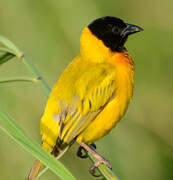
x: 2, y: 49
x: 33, y: 80
x: 104, y: 170
x: 36, y: 75
x: 11, y: 48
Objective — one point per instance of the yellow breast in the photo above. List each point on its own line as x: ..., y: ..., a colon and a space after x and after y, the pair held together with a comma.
x: 116, y: 108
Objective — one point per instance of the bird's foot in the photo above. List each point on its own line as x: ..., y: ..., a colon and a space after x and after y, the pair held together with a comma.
x: 83, y: 153
x: 100, y: 159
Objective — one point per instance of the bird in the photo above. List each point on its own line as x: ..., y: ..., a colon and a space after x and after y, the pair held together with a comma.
x: 92, y: 94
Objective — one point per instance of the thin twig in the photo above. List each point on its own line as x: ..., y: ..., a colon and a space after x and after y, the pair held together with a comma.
x: 7, y: 80
x: 36, y: 75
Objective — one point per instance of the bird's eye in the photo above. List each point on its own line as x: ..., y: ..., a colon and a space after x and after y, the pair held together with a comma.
x: 115, y: 29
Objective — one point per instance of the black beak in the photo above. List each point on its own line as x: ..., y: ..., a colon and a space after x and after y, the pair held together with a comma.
x: 130, y: 29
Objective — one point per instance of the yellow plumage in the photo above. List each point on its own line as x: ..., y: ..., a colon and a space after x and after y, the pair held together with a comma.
x: 90, y: 96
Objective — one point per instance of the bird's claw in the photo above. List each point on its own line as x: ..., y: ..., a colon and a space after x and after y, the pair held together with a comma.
x: 93, y: 168
x: 82, y: 153
x: 93, y: 147
x: 99, y: 159
x: 93, y: 172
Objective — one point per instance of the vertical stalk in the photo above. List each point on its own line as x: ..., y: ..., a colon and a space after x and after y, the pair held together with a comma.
x: 36, y: 75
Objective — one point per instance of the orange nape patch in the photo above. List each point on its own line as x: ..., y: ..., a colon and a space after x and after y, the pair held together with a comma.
x: 122, y: 59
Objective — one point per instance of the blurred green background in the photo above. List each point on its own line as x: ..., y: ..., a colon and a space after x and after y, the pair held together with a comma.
x: 141, y: 146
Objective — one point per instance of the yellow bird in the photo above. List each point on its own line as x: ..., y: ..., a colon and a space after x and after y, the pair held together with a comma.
x: 93, y: 92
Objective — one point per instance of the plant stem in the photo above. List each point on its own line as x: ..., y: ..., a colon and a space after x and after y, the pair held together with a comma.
x: 12, y: 49
x: 36, y: 75
x: 2, y: 49
x: 104, y: 170
x: 33, y: 80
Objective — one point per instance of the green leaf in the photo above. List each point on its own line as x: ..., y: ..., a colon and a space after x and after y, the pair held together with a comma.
x: 10, y: 46
x: 18, y: 79
x: 5, y: 57
x: 19, y: 135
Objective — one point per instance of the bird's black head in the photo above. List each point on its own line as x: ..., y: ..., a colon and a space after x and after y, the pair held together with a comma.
x: 113, y: 31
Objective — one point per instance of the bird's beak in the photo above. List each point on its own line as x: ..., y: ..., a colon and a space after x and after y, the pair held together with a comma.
x: 130, y: 29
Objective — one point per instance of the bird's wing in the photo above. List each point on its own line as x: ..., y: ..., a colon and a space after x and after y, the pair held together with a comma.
x: 93, y: 90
